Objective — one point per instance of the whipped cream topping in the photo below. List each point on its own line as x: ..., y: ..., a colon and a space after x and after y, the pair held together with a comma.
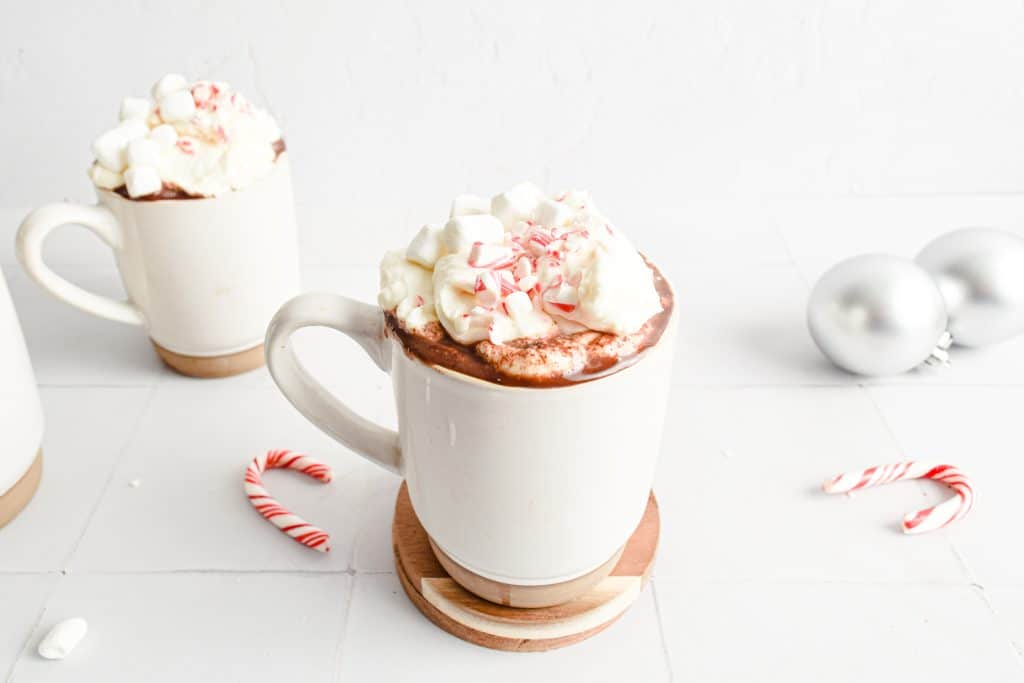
x: 521, y: 266
x: 201, y: 138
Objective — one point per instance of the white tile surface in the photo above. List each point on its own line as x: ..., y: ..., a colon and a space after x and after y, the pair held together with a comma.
x: 739, y: 483
x: 381, y: 617
x: 71, y: 347
x: 978, y: 430
x: 833, y: 631
x: 87, y: 432
x: 721, y: 342
x: 1008, y: 604
x: 240, y: 627
x: 752, y: 554
x: 190, y: 512
x: 22, y: 597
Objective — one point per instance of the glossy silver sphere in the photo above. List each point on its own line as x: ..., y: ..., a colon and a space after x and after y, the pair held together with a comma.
x: 980, y: 272
x: 876, y: 314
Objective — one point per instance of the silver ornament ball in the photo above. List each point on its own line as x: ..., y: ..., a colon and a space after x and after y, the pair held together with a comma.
x: 876, y: 315
x: 980, y: 272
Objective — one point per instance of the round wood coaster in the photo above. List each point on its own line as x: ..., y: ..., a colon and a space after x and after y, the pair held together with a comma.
x: 17, y: 497
x: 211, y: 367
x: 469, y: 617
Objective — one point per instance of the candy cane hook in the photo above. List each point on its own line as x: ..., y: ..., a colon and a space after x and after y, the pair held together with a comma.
x: 921, y: 521
x: 275, y: 513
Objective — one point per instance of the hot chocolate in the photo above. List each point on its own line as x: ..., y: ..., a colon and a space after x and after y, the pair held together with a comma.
x: 525, y: 290
x: 192, y: 140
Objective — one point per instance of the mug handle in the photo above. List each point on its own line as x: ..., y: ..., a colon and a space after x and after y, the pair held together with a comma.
x: 364, y: 324
x: 34, y: 231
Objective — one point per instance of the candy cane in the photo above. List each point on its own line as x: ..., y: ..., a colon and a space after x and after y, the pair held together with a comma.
x: 923, y: 520
x: 293, y: 525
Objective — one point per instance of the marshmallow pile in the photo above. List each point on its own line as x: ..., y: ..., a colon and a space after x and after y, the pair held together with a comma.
x: 520, y: 265
x: 201, y: 138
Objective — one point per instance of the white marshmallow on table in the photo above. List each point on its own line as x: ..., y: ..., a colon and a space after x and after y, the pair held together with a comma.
x: 164, y: 134
x: 135, y: 108
x: 109, y: 148
x: 142, y: 180
x: 63, y: 638
x: 469, y: 205
x: 426, y: 247
x: 105, y: 178
x: 552, y: 214
x: 143, y: 152
x: 462, y: 231
x: 518, y: 204
x: 168, y: 84
x: 177, y: 106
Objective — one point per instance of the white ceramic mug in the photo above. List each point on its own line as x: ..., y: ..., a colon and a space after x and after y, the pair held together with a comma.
x: 21, y: 415
x: 521, y: 486
x: 203, y: 276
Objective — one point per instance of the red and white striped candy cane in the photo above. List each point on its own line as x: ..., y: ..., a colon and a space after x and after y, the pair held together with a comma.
x: 923, y: 520
x: 293, y: 525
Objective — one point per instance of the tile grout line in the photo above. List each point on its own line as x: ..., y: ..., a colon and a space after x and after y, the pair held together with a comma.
x: 129, y: 440
x: 32, y: 630
x: 339, y: 651
x: 965, y: 568
x: 661, y: 631
x: 972, y: 578
x: 1000, y: 624
x: 203, y: 571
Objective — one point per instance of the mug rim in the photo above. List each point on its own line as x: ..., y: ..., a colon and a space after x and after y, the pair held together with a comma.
x: 668, y: 334
x: 279, y: 162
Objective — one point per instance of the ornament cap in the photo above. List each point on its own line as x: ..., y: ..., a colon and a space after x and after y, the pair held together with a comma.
x: 940, y: 354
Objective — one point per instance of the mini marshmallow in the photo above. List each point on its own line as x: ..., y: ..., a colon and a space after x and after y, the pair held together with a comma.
x: 143, y: 152
x: 168, y: 84
x: 527, y: 283
x: 142, y: 180
x: 518, y: 304
x: 135, y: 108
x: 426, y: 247
x: 518, y: 204
x: 164, y: 134
x: 487, y: 289
x: 177, y: 106
x: 109, y: 148
x: 62, y: 638
x: 523, y: 267
x: 461, y: 232
x: 104, y: 178
x: 469, y: 205
x: 483, y: 255
x: 552, y: 214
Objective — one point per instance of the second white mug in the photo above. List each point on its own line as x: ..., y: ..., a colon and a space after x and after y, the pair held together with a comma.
x: 203, y: 276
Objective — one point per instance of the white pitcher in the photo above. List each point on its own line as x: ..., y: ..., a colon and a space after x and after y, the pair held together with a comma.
x: 21, y: 416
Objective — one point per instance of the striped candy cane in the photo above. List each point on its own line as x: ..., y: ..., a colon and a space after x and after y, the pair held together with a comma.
x: 293, y: 525
x: 923, y: 520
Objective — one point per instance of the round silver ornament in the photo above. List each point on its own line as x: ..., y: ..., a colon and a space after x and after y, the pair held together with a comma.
x: 878, y: 315
x: 980, y: 272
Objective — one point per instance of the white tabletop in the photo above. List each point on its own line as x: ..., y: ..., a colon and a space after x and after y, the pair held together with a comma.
x: 759, y: 577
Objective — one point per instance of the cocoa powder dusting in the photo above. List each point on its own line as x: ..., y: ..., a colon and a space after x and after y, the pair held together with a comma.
x: 538, y: 363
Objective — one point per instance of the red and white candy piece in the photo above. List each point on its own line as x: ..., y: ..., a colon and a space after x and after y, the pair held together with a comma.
x: 288, y: 522
x: 923, y: 520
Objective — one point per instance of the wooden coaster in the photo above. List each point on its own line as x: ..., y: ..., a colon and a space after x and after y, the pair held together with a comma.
x: 469, y: 617
x: 211, y: 367
x: 17, y: 497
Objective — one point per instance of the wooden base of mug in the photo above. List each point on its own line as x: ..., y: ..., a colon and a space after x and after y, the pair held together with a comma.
x: 529, y: 597
x: 501, y: 627
x: 17, y: 497
x: 211, y: 367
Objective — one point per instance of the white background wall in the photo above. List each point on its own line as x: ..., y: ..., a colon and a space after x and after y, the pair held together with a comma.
x: 390, y: 108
